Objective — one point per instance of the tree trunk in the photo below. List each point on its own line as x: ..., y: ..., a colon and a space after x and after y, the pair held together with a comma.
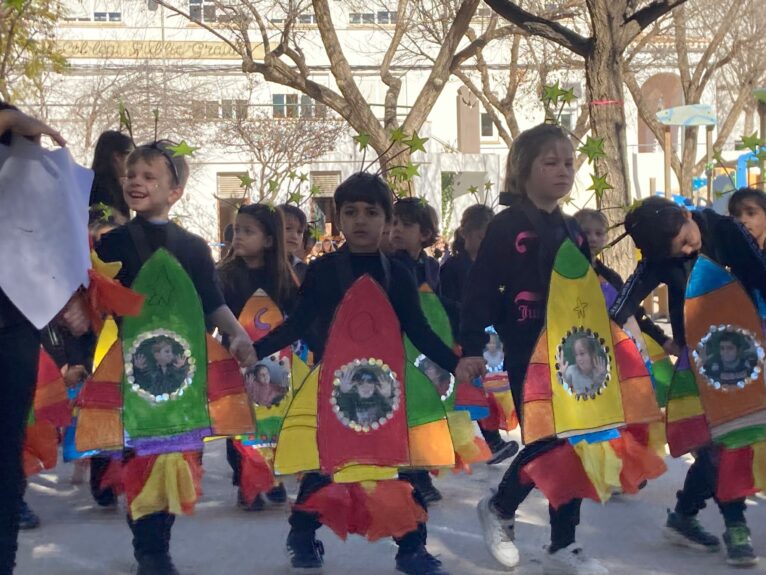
x: 603, y: 73
x: 688, y: 160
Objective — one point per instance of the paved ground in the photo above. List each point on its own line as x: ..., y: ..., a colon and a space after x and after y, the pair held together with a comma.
x: 78, y: 539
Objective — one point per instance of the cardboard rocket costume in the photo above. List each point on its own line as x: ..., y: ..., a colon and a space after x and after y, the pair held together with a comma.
x: 353, y: 417
x: 718, y: 394
x: 585, y: 384
x: 161, y: 389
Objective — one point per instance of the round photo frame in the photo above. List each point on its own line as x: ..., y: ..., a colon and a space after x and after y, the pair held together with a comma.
x: 159, y: 366
x: 583, y: 363
x: 729, y: 357
x: 366, y: 394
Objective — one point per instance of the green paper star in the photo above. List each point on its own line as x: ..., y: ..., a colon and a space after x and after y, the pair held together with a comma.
x: 488, y: 186
x: 599, y: 185
x: 423, y: 201
x: 291, y: 176
x: 183, y: 149
x: 363, y: 140
x: 567, y: 96
x: 273, y: 185
x: 415, y: 143
x: 18, y: 4
x: 303, y: 177
x: 295, y: 198
x: 316, y: 234
x: 752, y: 141
x: 398, y: 135
x: 314, y: 190
x: 246, y: 181
x: 473, y: 190
x: 551, y: 93
x: 593, y: 148
x: 410, y: 171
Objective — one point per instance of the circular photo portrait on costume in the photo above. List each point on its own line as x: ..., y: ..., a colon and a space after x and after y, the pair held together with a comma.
x: 268, y: 381
x: 729, y: 357
x: 583, y: 363
x: 366, y: 394
x: 443, y: 380
x: 493, y: 352
x: 159, y: 365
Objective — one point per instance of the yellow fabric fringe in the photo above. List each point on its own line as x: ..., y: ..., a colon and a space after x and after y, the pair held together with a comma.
x: 602, y: 466
x: 170, y: 487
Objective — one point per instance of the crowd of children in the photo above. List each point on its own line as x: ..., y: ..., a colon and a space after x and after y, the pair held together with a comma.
x: 498, y: 275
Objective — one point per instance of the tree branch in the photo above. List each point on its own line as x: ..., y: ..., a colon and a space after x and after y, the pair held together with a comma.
x: 640, y: 20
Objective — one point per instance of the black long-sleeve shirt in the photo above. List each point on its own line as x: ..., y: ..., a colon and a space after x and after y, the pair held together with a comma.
x: 724, y: 241
x: 239, y: 283
x: 454, y: 275
x: 190, y: 250
x: 508, y: 284
x: 324, y: 288
x: 644, y: 322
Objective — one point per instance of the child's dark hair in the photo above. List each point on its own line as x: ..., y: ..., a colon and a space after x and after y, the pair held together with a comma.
x: 653, y: 224
x: 109, y: 143
x: 297, y: 213
x: 590, y: 215
x: 742, y: 195
x: 177, y: 165
x: 275, y: 261
x: 365, y: 187
x: 731, y: 338
x: 417, y: 211
x: 474, y: 218
x: 525, y: 148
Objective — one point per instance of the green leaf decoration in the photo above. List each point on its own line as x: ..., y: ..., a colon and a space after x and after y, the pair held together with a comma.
x: 314, y: 190
x: 291, y: 176
x: 398, y: 135
x: 183, y: 149
x: 593, y: 148
x: 246, y: 181
x: 599, y: 185
x: 416, y: 143
x: 363, y: 140
x: 488, y: 186
x: 273, y: 186
x: 473, y: 190
x: 303, y: 177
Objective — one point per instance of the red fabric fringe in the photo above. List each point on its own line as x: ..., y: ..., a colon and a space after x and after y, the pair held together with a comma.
x: 387, y: 509
x: 136, y: 471
x: 109, y: 297
x: 256, y: 475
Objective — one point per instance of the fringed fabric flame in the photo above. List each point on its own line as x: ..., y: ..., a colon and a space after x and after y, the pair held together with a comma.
x: 374, y: 509
x: 257, y: 475
x: 168, y: 482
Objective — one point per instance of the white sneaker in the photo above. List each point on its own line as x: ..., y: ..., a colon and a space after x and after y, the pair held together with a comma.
x: 498, y: 534
x: 571, y: 560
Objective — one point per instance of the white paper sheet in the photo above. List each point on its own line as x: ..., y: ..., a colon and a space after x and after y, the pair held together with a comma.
x: 44, y: 251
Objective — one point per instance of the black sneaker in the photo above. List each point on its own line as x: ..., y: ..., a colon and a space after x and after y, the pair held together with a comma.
x: 156, y: 564
x: 258, y: 504
x: 419, y: 562
x: 277, y: 495
x: 739, y: 547
x: 686, y: 531
x: 28, y: 519
x: 430, y: 493
x: 305, y: 552
x: 502, y: 451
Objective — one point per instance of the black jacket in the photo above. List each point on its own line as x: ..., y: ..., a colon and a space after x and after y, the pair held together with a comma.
x: 724, y: 241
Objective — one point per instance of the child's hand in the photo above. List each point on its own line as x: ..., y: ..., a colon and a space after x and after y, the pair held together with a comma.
x: 242, y: 349
x: 75, y: 317
x: 563, y: 363
x: 469, y: 368
x: 599, y: 367
x: 671, y: 348
x: 139, y: 361
x: 73, y: 375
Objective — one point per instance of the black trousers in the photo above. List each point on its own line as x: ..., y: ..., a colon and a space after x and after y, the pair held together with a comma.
x: 235, y: 461
x: 19, y: 353
x: 151, y: 534
x: 98, y: 467
x: 305, y: 522
x: 700, y: 484
x: 512, y: 492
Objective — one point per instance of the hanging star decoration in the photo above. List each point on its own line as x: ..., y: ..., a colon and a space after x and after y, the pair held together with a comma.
x: 599, y: 185
x: 593, y: 148
x: 416, y: 143
x: 245, y: 181
x: 756, y: 145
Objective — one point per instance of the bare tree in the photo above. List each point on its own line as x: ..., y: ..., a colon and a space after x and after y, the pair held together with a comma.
x: 277, y: 29
x: 612, y: 25
x: 710, y: 43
